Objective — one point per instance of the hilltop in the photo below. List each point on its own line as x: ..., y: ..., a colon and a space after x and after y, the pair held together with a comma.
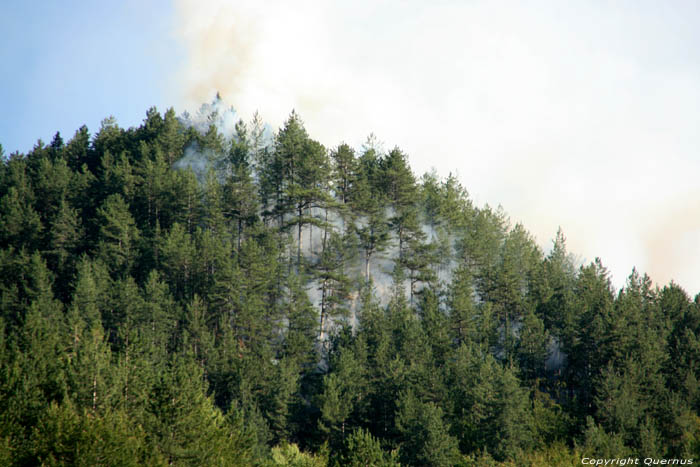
x: 201, y: 290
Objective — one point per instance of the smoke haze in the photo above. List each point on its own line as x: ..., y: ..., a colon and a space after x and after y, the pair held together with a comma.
x: 580, y: 116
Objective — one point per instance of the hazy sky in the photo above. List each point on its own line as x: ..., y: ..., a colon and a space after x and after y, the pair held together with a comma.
x: 584, y: 115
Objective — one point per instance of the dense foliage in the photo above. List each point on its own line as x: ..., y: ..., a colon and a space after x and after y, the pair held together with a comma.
x: 172, y: 294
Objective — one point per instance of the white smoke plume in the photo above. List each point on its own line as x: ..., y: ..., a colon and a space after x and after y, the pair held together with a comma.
x: 199, y: 161
x: 216, y: 113
x: 579, y: 115
x: 225, y: 118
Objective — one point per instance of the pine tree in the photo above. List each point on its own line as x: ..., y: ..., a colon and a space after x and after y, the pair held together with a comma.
x: 158, y: 318
x: 426, y: 438
x: 154, y: 195
x: 334, y: 284
x: 118, y: 176
x: 109, y: 139
x: 481, y: 247
x: 65, y: 238
x: 34, y: 370
x: 362, y: 449
x: 89, y: 370
x: 170, y: 137
x: 20, y: 224
x: 399, y: 186
x: 278, y: 402
x: 302, y: 163
x: 581, y: 342
x: 214, y: 207
x: 489, y: 408
x: 118, y: 235
x: 52, y: 183
x: 343, y: 398
x: 510, y: 283
x: 78, y: 151
x: 419, y: 260
x: 177, y: 259
x: 344, y: 172
x: 556, y: 300
x: 187, y: 207
x: 470, y: 323
x: 66, y: 435
x: 240, y: 193
x: 532, y: 348
x: 185, y: 426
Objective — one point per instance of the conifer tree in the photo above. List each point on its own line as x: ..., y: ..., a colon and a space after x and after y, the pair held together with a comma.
x: 581, y: 342
x: 78, y: 151
x: 52, y: 183
x: 118, y: 235
x: 334, y: 283
x: 158, y: 318
x: 240, y: 193
x: 303, y: 163
x: 185, y: 425
x: 65, y: 238
x: 361, y: 449
x: 66, y: 435
x: 344, y: 172
x: 343, y: 398
x: 399, y: 186
x: 170, y: 137
x: 20, y: 224
x: 426, y: 438
x: 109, y: 139
x: 489, y: 408
x: 89, y: 374
x: 372, y: 226
x: 147, y: 316
x: 187, y: 207
x: 177, y: 259
x: 214, y: 210
x: 154, y: 183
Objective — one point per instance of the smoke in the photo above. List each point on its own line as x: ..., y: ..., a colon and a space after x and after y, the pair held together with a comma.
x: 198, y: 161
x: 224, y: 118
x: 672, y: 256
x: 579, y: 115
x: 216, y: 113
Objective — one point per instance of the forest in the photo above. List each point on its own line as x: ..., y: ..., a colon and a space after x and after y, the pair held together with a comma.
x: 196, y: 291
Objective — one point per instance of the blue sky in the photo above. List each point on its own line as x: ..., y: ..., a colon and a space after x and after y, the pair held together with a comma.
x: 579, y: 115
x: 69, y: 63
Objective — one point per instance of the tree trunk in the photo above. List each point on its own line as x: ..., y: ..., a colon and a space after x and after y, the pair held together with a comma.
x: 323, y: 313
x: 94, y: 392
x: 311, y: 238
x: 240, y: 228
x: 368, y: 255
x: 299, y: 240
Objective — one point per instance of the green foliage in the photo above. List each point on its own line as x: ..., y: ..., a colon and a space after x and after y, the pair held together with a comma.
x: 266, y: 292
x: 66, y: 437
x: 184, y: 426
x: 289, y: 455
x: 118, y: 235
x: 601, y: 444
x: 489, y: 409
x: 425, y: 437
x: 362, y: 449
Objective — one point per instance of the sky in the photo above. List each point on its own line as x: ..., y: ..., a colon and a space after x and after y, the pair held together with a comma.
x: 72, y: 63
x: 579, y: 115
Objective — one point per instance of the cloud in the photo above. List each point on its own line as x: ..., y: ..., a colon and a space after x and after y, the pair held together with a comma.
x: 581, y: 116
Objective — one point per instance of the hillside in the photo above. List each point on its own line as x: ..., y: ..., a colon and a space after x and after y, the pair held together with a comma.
x: 203, y: 291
